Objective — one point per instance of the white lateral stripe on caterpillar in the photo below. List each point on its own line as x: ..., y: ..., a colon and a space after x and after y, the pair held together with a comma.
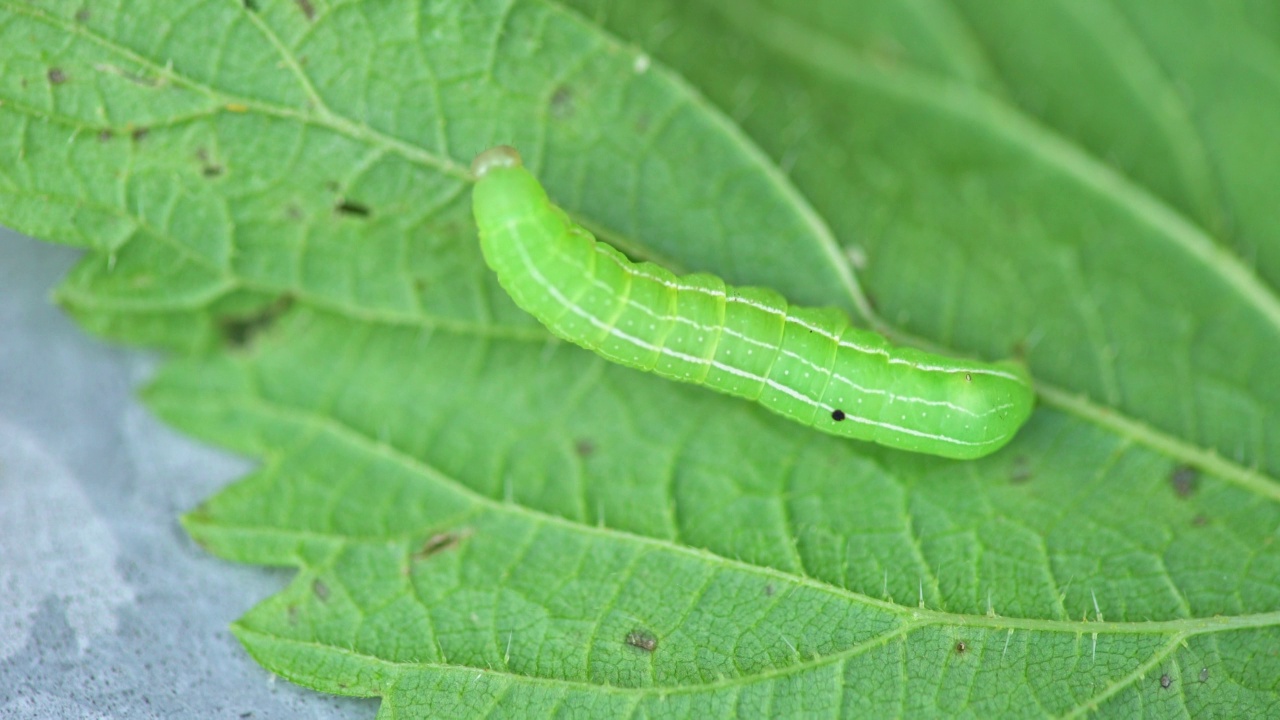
x: 574, y: 308
x: 766, y: 346
x: 638, y: 271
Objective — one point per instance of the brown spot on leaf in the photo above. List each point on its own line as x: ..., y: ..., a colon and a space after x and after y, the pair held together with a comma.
x: 1020, y: 472
x: 1185, y: 480
x: 140, y: 134
x: 321, y: 590
x: 440, y: 542
x: 562, y: 106
x: 209, y: 168
x: 584, y: 448
x: 308, y: 10
x: 83, y: 15
x: 961, y: 648
x: 353, y: 209
x: 105, y: 135
x: 57, y: 76
x: 240, y: 331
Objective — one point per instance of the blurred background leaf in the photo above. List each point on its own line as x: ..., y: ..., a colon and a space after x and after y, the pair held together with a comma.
x: 487, y: 521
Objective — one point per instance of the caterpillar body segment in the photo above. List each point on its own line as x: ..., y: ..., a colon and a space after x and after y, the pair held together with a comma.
x: 808, y: 364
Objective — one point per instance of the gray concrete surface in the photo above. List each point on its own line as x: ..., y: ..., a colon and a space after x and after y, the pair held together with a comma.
x: 107, y: 609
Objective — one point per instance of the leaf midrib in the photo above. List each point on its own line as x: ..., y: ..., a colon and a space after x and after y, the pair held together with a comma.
x: 320, y: 424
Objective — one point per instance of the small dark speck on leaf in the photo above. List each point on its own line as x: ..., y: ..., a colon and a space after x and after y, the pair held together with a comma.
x: 321, y: 590
x: 139, y: 134
x: 241, y: 331
x: 353, y: 208
x: 1200, y: 520
x: 642, y: 639
x: 1185, y: 480
x: 562, y: 103
x: 584, y: 448
x: 208, y: 168
x: 1021, y: 471
x: 1204, y: 674
x: 308, y: 10
x: 83, y: 15
x: 251, y: 5
x: 246, y: 715
x: 768, y: 590
x: 439, y: 543
x: 1165, y: 681
x: 961, y: 648
x: 57, y: 76
x: 292, y: 613
x: 105, y: 136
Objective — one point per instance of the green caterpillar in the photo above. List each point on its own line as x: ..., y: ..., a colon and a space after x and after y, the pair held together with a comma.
x: 808, y: 364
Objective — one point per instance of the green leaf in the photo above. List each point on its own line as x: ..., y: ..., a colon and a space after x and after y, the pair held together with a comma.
x: 487, y: 521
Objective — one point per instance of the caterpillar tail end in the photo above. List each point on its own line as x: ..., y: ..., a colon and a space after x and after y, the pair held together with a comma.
x: 500, y: 156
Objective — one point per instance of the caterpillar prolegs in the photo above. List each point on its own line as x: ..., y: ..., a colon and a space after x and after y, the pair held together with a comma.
x: 808, y: 364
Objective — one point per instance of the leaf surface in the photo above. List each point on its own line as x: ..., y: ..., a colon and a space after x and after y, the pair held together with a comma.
x: 486, y: 521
